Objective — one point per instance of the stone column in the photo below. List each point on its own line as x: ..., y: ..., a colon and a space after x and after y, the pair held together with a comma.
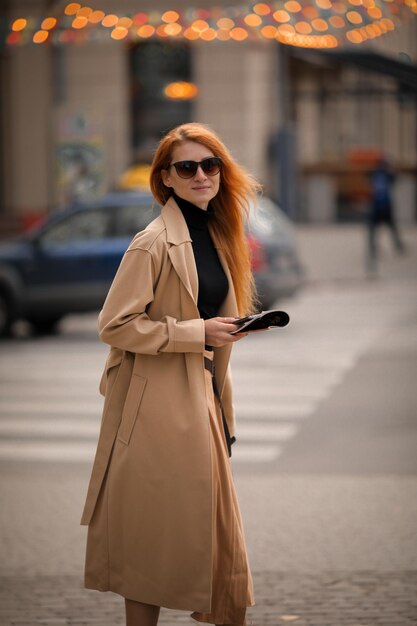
x: 237, y: 84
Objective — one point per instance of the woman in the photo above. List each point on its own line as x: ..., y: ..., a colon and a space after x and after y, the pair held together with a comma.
x: 164, y: 522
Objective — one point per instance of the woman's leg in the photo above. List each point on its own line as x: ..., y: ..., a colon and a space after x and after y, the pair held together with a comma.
x: 140, y: 614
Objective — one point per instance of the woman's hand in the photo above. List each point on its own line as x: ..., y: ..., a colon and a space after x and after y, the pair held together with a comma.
x: 218, y: 331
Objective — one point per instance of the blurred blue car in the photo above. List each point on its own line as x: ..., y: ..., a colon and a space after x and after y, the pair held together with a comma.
x: 66, y: 265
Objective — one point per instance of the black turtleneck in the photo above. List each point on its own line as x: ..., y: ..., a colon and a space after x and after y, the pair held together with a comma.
x: 212, y: 281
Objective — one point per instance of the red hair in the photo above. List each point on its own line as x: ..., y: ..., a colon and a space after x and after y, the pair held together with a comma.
x: 230, y: 205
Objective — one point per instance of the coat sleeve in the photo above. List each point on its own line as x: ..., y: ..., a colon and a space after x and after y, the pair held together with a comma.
x: 123, y: 322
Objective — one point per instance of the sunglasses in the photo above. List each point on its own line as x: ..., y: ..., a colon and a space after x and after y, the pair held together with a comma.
x: 188, y: 169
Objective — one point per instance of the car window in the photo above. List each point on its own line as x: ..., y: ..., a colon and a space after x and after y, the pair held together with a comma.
x: 80, y: 226
x: 266, y: 217
x: 131, y: 219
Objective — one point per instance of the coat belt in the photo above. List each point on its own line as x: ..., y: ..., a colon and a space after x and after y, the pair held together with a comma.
x: 209, y: 366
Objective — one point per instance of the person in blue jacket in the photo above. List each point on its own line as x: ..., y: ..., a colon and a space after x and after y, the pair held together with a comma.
x: 381, y: 210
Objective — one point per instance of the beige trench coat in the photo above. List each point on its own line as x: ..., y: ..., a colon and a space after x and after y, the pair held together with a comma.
x: 149, y: 502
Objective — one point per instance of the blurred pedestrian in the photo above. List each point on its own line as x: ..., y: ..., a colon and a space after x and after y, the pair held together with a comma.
x: 381, y: 210
x: 164, y: 521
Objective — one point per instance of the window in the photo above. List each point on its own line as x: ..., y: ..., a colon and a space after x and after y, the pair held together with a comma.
x: 81, y: 226
x: 132, y: 219
x: 154, y: 66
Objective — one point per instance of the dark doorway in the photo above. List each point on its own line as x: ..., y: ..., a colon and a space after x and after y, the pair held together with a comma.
x: 154, y: 66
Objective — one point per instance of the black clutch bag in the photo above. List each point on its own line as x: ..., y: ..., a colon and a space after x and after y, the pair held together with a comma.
x: 261, y: 321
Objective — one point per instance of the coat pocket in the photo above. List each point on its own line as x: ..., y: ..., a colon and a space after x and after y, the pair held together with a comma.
x: 131, y: 408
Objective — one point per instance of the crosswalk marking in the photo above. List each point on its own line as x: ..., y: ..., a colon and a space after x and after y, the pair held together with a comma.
x: 50, y: 408
x: 76, y: 428
x: 42, y: 406
x: 252, y: 453
x: 49, y: 428
x: 266, y: 432
x: 61, y: 451
x: 256, y: 411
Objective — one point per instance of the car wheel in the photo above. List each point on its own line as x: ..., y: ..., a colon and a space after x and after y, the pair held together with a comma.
x: 6, y: 314
x: 45, y: 325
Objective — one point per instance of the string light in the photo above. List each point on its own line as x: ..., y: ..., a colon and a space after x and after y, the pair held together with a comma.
x: 120, y: 32
x: 262, y: 9
x: 48, y: 23
x: 84, y: 12
x: 19, y: 24
x: 225, y: 23
x: 72, y: 8
x: 281, y: 16
x: 146, y: 31
x: 252, y: 19
x: 306, y: 23
x: 170, y: 16
x: 109, y: 20
x: 96, y: 16
x: 40, y: 36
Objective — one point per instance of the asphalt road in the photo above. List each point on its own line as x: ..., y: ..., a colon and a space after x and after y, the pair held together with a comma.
x: 325, y: 462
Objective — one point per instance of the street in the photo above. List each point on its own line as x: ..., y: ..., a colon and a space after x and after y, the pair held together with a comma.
x: 325, y: 461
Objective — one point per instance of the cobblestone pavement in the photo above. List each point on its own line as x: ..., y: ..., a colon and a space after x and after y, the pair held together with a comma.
x: 326, y: 548
x: 334, y: 598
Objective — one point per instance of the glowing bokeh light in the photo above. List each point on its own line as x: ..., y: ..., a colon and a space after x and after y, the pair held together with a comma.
x: 225, y: 23
x: 337, y: 21
x: 170, y: 16
x: 72, y: 8
x: 181, y: 91
x: 208, y: 35
x: 110, y: 20
x: 262, y: 9
x: 191, y: 34
x: 79, y: 22
x: 320, y: 25
x: 293, y: 6
x: 13, y: 38
x: 140, y: 19
x: 19, y: 24
x: 84, y: 12
x: 310, y: 12
x: 304, y: 28
x: 238, y: 34
x: 281, y: 16
x: 286, y: 29
x: 308, y: 23
x: 161, y: 32
x: 120, y: 32
x: 146, y: 31
x: 374, y: 12
x: 199, y: 26
x: 96, y: 16
x: 339, y: 7
x: 269, y: 31
x: 223, y: 34
x: 252, y: 19
x: 48, y: 23
x: 40, y: 36
x: 354, y: 17
x: 172, y: 29
x: 354, y: 36
x: 125, y: 22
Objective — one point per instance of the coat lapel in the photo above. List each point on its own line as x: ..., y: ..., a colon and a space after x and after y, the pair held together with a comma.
x: 182, y: 258
x: 181, y: 250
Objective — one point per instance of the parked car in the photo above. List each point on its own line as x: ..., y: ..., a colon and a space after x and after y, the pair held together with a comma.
x: 66, y: 265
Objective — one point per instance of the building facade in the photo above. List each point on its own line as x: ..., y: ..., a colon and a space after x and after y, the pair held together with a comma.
x: 75, y: 116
